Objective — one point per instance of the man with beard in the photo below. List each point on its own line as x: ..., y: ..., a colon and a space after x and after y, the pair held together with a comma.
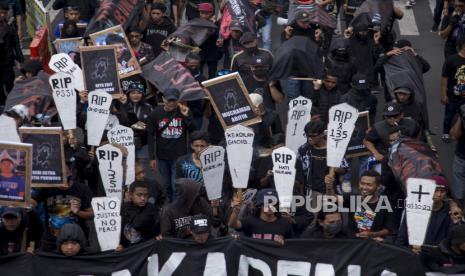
x: 254, y: 65
x: 10, y: 51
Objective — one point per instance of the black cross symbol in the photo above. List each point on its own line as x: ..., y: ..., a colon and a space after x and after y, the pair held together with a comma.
x: 420, y: 193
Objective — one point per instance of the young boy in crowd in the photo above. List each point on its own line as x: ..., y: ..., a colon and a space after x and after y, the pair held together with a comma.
x: 157, y: 27
x: 140, y: 218
x: 71, y: 13
x: 71, y: 240
x: 326, y: 96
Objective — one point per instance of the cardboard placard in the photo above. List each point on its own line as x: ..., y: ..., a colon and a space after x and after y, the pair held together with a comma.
x: 63, y: 63
x: 15, y: 174
x: 98, y: 112
x: 297, y: 117
x: 239, y: 140
x: 64, y: 96
x: 110, y: 165
x: 230, y: 99
x: 100, y: 69
x: 212, y: 160
x: 126, y: 59
x: 124, y: 136
x: 284, y: 174
x: 356, y: 146
x: 68, y: 45
x: 418, y: 207
x: 9, y: 131
x: 342, y: 118
x: 48, y: 156
x: 107, y: 220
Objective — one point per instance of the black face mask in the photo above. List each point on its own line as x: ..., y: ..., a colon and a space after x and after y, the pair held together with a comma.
x: 334, y: 228
x: 194, y: 71
x: 251, y: 50
x: 364, y: 92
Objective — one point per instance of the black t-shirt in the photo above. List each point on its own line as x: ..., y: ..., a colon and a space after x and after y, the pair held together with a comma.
x: 450, y: 45
x: 319, y: 170
x: 369, y: 220
x: 171, y: 141
x: 460, y: 148
x: 454, y: 70
x: 257, y: 228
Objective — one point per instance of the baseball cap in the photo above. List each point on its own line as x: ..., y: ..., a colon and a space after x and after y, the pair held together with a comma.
x: 392, y: 109
x: 171, y: 94
x: 441, y: 182
x: 206, y: 7
x: 263, y: 195
x: 247, y: 37
x: 457, y: 235
x: 235, y: 26
x: 360, y: 82
x: 200, y: 224
x: 12, y: 212
x: 302, y: 15
x: 403, y: 89
x: 136, y: 86
x: 6, y: 156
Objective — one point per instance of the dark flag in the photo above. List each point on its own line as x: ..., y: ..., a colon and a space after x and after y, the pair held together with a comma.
x: 413, y: 158
x: 164, y: 72
x: 297, y: 57
x: 241, y: 11
x: 317, y: 15
x: 35, y: 93
x: 114, y: 12
x: 197, y: 29
x: 404, y: 68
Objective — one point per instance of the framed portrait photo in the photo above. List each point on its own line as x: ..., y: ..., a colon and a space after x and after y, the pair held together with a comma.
x: 126, y: 60
x: 68, y: 45
x: 15, y: 174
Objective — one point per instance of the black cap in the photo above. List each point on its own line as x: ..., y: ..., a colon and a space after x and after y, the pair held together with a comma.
x: 247, y: 38
x: 457, y: 235
x: 71, y: 8
x: 402, y: 43
x: 200, y: 224
x: 403, y: 89
x: 235, y: 25
x: 136, y: 86
x: 360, y: 82
x: 263, y: 195
x: 11, y: 211
x: 171, y: 94
x: 302, y: 15
x: 392, y: 109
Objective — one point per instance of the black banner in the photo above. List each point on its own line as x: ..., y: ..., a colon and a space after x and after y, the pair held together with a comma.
x: 198, y: 29
x: 164, y: 72
x: 100, y: 68
x: 48, y: 157
x: 114, y: 12
x: 227, y: 256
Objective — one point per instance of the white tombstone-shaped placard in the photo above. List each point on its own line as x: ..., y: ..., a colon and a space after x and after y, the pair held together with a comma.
x: 110, y: 159
x: 97, y: 115
x: 124, y: 136
x: 64, y: 96
x: 418, y: 207
x: 63, y: 63
x: 9, y: 131
x: 342, y: 119
x: 212, y: 160
x: 297, y: 117
x: 239, y: 140
x: 284, y: 174
x: 107, y: 220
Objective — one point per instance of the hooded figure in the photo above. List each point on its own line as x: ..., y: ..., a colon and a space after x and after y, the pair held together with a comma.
x: 360, y: 96
x: 177, y: 215
x: 411, y: 107
x: 72, y: 232
x: 339, y: 63
x: 363, y: 50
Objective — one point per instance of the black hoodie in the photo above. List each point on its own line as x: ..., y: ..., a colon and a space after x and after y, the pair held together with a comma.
x: 72, y: 232
x: 177, y: 215
x: 31, y: 226
x: 414, y: 110
x: 139, y: 223
x: 156, y: 33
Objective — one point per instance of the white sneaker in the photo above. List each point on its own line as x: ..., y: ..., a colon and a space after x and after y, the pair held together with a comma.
x: 410, y: 4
